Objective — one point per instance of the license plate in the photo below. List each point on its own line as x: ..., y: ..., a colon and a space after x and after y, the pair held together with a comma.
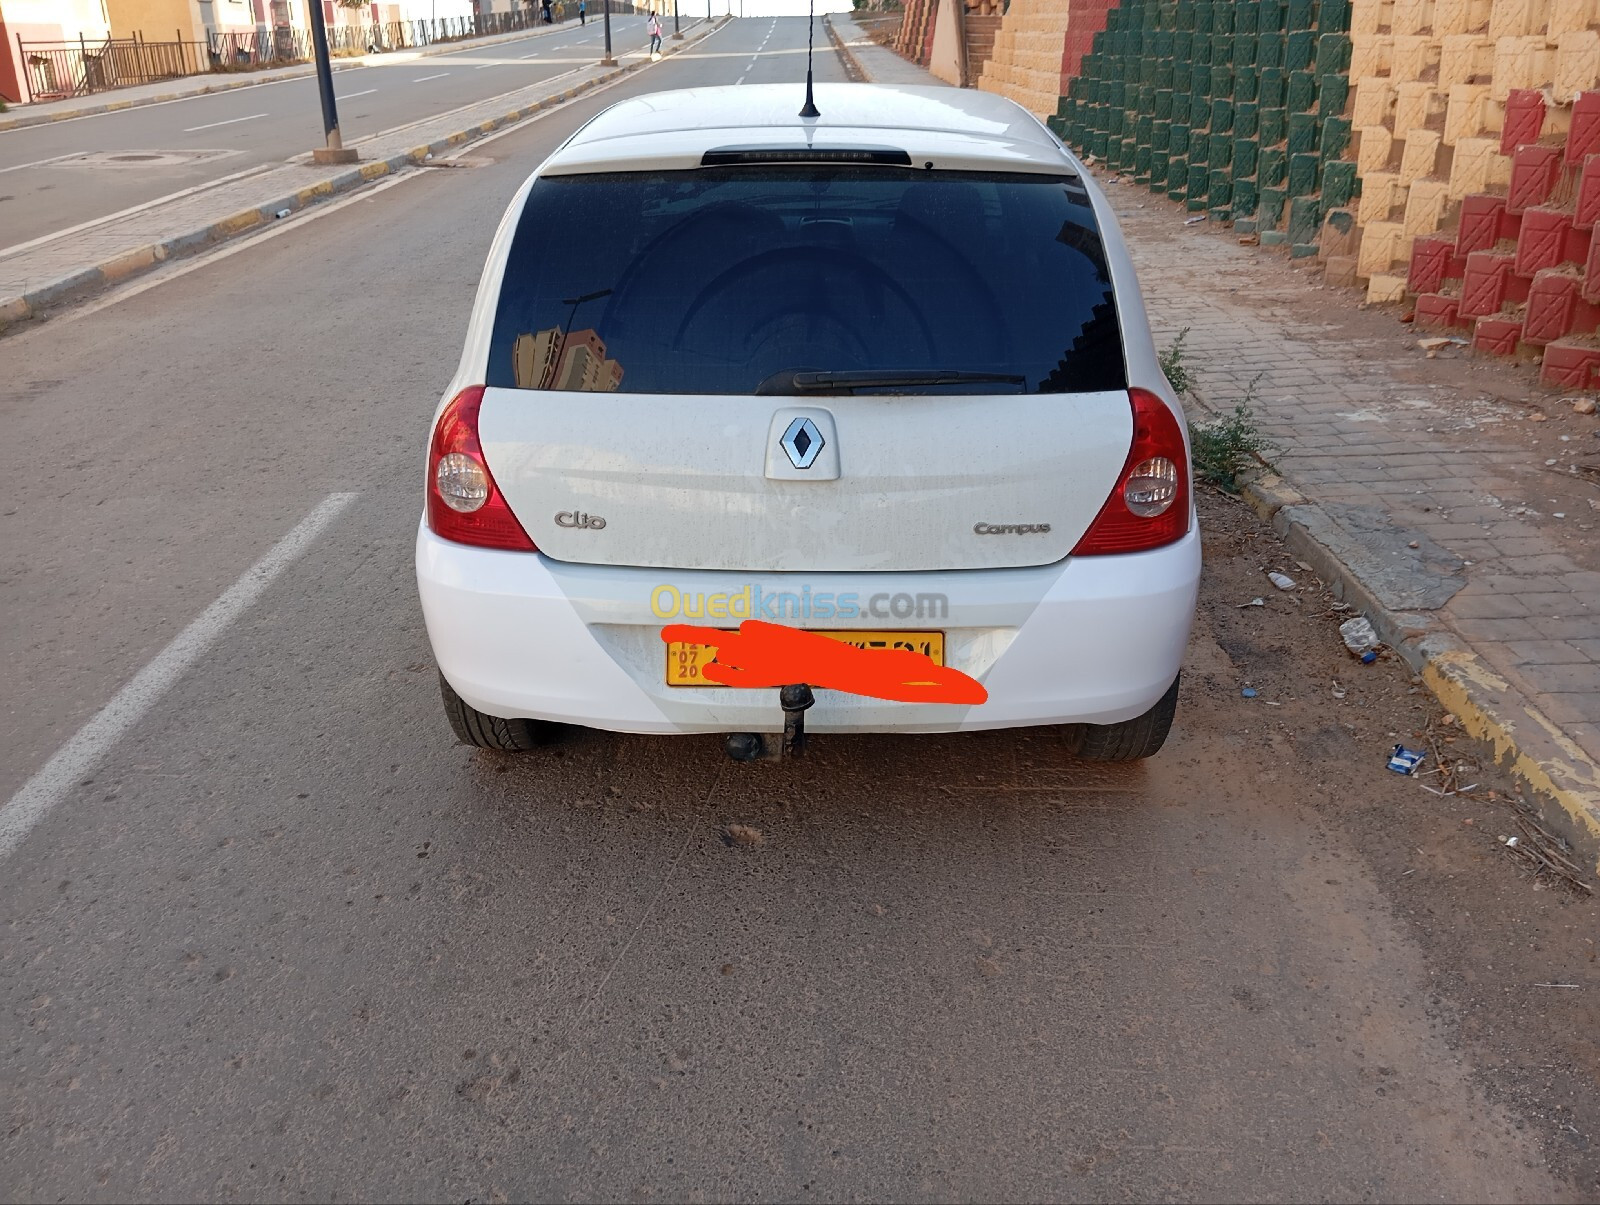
x: 686, y: 661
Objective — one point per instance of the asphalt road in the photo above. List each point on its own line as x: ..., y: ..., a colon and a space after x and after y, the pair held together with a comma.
x: 44, y: 187
x: 288, y: 941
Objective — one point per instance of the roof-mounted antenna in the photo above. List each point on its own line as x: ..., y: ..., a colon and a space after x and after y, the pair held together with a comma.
x: 810, y: 109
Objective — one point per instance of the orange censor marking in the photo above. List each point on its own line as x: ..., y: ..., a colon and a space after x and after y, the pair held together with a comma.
x: 772, y: 654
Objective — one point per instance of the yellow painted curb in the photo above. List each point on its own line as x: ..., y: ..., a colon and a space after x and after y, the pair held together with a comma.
x: 229, y: 227
x: 130, y: 264
x: 1559, y: 770
x: 372, y: 171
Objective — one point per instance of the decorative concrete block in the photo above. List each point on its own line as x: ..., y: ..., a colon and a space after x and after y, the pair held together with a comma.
x: 1483, y: 219
x: 1420, y: 155
x: 1415, y: 106
x: 1272, y: 167
x: 1570, y: 366
x: 1471, y: 166
x: 1511, y: 18
x: 1246, y: 153
x: 1301, y: 92
x: 1333, y: 53
x: 1303, y: 174
x: 1451, y: 17
x: 1333, y: 91
x: 1484, y: 283
x: 1567, y: 16
x: 1438, y: 311
x: 1534, y: 170
x: 1374, y: 101
x: 1425, y: 206
x: 1464, y: 56
x: 1221, y: 154
x: 1381, y: 244
x: 1366, y: 16
x: 1335, y: 137
x: 1303, y: 128
x: 1340, y: 270
x: 1385, y: 289
x: 1338, y: 181
x: 1430, y: 264
x: 1370, y: 56
x: 1586, y: 210
x: 1577, y: 64
x: 1591, y: 268
x: 1408, y: 17
x: 1246, y: 119
x: 1523, y: 120
x: 1583, y: 136
x: 1340, y: 234
x: 1552, y: 306
x: 1273, y: 89
x: 1270, y: 50
x: 1299, y: 49
x: 1463, y: 115
x: 1380, y: 192
x: 1496, y: 336
x: 1221, y: 116
x: 1412, y: 57
x: 1246, y: 198
x: 1305, y: 215
x: 1274, y: 125
x: 1374, y: 148
x: 1221, y: 188
x: 1519, y: 63
x: 1333, y: 16
x: 1547, y: 239
x: 1273, y: 203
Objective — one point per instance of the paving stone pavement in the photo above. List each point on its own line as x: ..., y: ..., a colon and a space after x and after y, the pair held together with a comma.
x: 1396, y: 459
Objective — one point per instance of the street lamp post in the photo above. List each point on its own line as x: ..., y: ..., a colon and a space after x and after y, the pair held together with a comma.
x: 334, y: 150
x: 608, y: 61
x: 677, y: 30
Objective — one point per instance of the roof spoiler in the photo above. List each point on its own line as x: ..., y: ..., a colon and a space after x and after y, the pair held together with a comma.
x: 879, y: 156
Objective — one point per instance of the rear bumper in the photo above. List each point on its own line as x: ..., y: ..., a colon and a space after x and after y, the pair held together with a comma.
x: 1091, y: 640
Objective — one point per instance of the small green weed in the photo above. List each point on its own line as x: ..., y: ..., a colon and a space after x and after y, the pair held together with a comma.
x: 1225, y: 447
x: 1171, y: 362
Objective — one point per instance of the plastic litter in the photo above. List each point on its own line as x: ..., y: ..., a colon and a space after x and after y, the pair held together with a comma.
x: 1368, y: 657
x: 1338, y: 691
x: 1359, y: 636
x: 282, y: 213
x: 1405, y: 761
x: 1254, y: 602
x: 1194, y: 221
x: 1249, y: 692
x: 1281, y: 580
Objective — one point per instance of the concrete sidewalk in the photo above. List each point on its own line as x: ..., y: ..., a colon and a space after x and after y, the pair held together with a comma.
x: 73, y: 263
x: 1422, y: 492
x: 45, y: 112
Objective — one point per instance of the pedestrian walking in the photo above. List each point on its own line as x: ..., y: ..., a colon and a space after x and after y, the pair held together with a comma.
x: 549, y: 19
x: 655, y: 35
x: 582, y: 11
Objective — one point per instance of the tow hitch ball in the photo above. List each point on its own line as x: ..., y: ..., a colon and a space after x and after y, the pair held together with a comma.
x: 752, y: 746
x: 794, y: 700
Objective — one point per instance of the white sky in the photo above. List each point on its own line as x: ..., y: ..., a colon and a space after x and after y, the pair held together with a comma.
x: 765, y: 8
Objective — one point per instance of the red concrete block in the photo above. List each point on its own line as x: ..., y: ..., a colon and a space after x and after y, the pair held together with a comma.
x: 1552, y: 307
x: 1583, y: 139
x: 1524, y: 119
x: 1437, y: 310
x: 1587, y: 209
x: 1496, y: 336
x: 1486, y: 285
x: 1534, y: 170
x: 1568, y: 367
x: 1430, y: 263
x: 1543, y: 241
x: 1482, y: 219
x: 1591, y: 268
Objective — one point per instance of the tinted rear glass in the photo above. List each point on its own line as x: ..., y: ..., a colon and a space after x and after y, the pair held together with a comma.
x: 717, y: 279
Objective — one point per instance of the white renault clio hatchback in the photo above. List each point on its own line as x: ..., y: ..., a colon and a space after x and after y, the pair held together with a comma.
x: 884, y: 374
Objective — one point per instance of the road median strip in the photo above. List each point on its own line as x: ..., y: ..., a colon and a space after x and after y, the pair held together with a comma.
x: 79, y: 282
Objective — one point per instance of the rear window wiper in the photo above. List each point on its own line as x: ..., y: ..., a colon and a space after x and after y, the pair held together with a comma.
x: 792, y: 381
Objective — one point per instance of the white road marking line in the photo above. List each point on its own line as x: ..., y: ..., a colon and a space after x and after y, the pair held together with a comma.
x: 486, y: 66
x: 534, y: 55
x: 17, y: 167
x: 211, y: 125
x: 425, y: 78
x: 740, y: 80
x: 353, y: 95
x: 133, y: 702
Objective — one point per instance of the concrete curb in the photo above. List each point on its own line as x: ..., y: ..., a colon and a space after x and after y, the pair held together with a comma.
x: 23, y: 120
x: 852, y: 64
x: 80, y: 284
x: 1561, y: 779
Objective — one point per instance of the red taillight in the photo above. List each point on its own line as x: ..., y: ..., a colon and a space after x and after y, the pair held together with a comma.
x: 1149, y: 505
x: 464, y: 504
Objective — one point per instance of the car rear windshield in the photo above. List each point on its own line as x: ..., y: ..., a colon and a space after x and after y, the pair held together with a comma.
x: 721, y: 280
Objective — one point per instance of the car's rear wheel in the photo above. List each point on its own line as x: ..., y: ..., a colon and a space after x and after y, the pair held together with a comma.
x: 473, y: 727
x: 1132, y: 739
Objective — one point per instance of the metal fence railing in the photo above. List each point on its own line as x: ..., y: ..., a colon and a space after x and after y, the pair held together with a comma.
x: 53, y: 70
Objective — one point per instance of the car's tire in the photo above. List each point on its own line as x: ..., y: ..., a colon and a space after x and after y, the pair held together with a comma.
x: 473, y: 727
x: 1132, y: 739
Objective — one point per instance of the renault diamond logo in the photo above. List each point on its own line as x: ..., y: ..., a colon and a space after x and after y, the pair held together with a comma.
x: 803, y: 442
